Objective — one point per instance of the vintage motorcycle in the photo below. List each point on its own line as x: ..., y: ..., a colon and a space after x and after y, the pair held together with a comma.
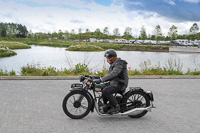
x: 79, y: 102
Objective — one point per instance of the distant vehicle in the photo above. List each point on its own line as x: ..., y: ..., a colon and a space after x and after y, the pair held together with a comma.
x: 131, y: 41
x: 182, y: 41
x: 121, y: 41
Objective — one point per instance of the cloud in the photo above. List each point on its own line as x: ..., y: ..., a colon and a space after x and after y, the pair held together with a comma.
x: 176, y: 10
x: 192, y: 1
x: 53, y: 15
x: 76, y: 21
x: 170, y: 2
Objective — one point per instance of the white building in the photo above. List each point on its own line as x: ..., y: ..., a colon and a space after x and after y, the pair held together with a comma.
x: 121, y: 41
x: 93, y: 40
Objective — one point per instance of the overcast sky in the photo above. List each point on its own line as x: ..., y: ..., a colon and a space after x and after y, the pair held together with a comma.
x: 52, y: 15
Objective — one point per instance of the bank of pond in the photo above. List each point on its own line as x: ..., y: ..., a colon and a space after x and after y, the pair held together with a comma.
x: 7, y: 46
x: 80, y: 69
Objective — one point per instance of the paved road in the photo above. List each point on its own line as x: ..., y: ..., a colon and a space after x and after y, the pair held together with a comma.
x: 34, y: 106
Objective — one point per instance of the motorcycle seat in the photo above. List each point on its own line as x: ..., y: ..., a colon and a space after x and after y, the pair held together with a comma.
x: 122, y: 92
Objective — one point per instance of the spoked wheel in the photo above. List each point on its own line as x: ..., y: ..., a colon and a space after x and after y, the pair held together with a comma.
x: 136, y: 99
x: 77, y: 104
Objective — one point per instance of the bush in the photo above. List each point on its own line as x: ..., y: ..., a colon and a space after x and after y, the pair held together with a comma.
x: 80, y: 68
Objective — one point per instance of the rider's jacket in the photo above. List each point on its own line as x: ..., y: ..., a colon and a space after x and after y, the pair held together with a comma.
x: 117, y: 73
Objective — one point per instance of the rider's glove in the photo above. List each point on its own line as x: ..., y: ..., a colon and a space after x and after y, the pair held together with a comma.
x: 98, y: 81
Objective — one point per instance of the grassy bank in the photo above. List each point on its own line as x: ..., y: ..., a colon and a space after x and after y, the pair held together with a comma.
x: 152, y: 48
x: 14, y: 45
x: 54, y: 43
x: 6, y: 46
x: 173, y: 67
x: 83, y: 46
x: 124, y: 47
x: 51, y: 71
x: 6, y: 73
x: 6, y: 53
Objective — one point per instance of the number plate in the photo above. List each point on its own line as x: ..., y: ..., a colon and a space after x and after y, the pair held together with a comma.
x: 76, y: 85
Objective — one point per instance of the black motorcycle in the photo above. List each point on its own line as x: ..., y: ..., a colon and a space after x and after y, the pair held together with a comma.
x: 79, y: 102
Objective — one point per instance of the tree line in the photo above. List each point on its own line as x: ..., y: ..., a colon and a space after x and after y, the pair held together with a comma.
x: 12, y: 30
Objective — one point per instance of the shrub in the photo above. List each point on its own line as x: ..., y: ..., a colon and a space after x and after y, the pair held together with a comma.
x: 80, y: 68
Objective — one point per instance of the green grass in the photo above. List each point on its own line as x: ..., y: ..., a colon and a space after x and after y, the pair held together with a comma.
x: 11, y: 73
x: 14, y: 45
x: 84, y: 47
x: 68, y: 43
x: 32, y: 70
x: 6, y: 53
x: 5, y: 47
x: 54, y: 43
x: 106, y: 46
x: 124, y: 47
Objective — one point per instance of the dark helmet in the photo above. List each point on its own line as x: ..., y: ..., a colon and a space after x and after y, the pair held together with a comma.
x: 111, y: 54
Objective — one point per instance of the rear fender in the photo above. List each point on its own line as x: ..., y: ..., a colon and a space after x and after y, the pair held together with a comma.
x: 148, y: 93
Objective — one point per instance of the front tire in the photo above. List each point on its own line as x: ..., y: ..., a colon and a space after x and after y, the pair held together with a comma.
x: 77, y: 104
x: 136, y: 99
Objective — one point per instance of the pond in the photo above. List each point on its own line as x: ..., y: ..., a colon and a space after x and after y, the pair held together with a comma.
x: 42, y: 56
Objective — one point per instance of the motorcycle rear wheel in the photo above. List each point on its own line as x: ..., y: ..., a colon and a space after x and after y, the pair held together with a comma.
x: 136, y: 99
x: 77, y: 104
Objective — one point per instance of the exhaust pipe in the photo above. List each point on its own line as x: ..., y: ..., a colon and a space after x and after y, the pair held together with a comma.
x: 131, y: 111
x: 136, y: 109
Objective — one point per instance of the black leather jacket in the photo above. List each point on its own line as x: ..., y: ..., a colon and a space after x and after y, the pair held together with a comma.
x: 117, y: 73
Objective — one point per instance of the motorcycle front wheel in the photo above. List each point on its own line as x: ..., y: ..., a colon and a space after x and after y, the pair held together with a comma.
x: 77, y: 104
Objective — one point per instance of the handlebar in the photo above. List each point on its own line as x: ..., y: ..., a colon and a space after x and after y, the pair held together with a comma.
x: 92, y: 77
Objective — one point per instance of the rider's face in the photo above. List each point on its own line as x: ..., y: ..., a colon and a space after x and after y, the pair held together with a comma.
x: 108, y: 60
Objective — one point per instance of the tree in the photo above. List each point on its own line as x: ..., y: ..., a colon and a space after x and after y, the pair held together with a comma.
x: 80, y: 34
x: 30, y: 34
x: 153, y: 37
x: 173, y: 33
x: 194, y: 29
x: 60, y: 34
x: 143, y: 34
x: 158, y: 33
x: 87, y: 35
x: 66, y: 34
x: 55, y: 35
x: 73, y: 34
x: 13, y: 30
x: 10, y: 32
x: 97, y: 33
x: 116, y: 33
x: 127, y: 33
x: 105, y: 33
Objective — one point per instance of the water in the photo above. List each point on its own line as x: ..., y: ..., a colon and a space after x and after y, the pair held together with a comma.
x: 41, y: 56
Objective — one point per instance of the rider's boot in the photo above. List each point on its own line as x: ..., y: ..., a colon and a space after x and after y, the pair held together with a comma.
x: 114, y: 109
x: 104, y: 108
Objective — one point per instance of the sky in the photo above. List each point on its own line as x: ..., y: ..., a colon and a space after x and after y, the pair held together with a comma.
x: 53, y: 15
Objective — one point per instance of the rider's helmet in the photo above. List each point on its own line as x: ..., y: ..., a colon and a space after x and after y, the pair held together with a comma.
x: 110, y: 54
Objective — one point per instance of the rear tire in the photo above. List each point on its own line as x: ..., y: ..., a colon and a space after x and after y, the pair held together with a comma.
x: 74, y: 108
x: 136, y: 99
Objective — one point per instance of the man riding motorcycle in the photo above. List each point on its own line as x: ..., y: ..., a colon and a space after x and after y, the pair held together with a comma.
x: 118, y: 78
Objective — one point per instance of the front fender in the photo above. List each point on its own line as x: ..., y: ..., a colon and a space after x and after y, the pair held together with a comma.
x: 86, y: 92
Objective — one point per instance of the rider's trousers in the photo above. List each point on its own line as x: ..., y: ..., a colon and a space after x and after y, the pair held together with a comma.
x: 108, y: 92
